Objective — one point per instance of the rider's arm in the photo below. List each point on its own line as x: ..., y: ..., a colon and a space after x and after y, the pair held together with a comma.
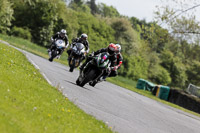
x: 119, y: 61
x: 87, y: 47
x: 100, y: 51
x: 55, y: 36
x: 75, y: 40
x: 66, y: 41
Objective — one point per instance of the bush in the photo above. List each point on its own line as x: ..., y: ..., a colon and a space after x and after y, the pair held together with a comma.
x: 21, y: 32
x: 160, y: 75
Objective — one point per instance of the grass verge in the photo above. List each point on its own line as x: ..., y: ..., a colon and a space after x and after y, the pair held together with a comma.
x: 29, y: 104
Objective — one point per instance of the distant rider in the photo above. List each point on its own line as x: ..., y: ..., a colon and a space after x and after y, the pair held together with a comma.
x: 82, y: 39
x: 118, y: 62
x: 59, y: 35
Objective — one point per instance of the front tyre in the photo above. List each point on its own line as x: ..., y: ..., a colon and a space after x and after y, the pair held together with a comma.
x: 90, y: 75
x: 50, y: 59
x: 77, y: 81
x: 71, y: 64
x: 71, y: 69
x: 53, y: 54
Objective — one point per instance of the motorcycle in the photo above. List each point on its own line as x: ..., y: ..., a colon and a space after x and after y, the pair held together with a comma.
x: 94, y: 69
x: 58, y: 47
x: 76, y: 56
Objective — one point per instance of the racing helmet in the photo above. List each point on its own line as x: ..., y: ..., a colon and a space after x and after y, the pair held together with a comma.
x: 111, y: 48
x: 118, y: 48
x: 84, y: 36
x: 63, y: 32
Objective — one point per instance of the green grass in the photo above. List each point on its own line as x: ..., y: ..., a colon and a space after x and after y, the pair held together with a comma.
x: 29, y: 104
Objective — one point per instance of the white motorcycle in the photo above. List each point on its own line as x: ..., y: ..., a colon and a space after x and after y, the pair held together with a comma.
x: 58, y: 48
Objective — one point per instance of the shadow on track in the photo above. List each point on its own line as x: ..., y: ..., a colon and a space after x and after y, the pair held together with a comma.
x: 77, y: 85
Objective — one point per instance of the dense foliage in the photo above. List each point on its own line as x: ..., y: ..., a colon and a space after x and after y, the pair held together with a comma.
x: 149, y: 50
x: 6, y: 13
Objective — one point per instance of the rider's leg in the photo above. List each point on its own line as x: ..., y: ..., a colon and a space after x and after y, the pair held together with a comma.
x: 113, y: 73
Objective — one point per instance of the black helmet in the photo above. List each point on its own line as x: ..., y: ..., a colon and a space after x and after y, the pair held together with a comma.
x: 84, y: 36
x: 63, y: 32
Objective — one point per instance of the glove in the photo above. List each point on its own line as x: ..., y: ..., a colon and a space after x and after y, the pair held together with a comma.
x: 108, y: 69
x: 114, y: 68
x: 92, y: 54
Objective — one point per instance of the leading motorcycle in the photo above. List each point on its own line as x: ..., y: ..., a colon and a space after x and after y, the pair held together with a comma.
x: 76, y: 56
x: 58, y: 48
x: 94, y: 69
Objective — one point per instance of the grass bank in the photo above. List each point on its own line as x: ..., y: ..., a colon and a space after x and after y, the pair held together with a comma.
x: 29, y: 104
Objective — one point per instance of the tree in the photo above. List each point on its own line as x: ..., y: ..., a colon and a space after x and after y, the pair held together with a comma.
x: 6, y: 15
x: 107, y: 11
x: 39, y: 16
x: 78, y: 2
x: 178, y: 16
x: 175, y: 67
x: 125, y: 35
x: 193, y: 73
x: 80, y: 6
x: 93, y: 7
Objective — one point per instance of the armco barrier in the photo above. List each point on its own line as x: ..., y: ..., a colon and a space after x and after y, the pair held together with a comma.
x: 184, y: 100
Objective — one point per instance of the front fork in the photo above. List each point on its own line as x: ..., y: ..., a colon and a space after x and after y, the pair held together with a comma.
x: 84, y: 69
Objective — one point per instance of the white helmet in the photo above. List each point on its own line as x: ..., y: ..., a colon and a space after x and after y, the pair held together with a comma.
x: 63, y: 32
x: 118, y: 46
x: 84, y: 36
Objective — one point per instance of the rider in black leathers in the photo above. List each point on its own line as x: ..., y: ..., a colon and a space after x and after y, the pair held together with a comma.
x: 82, y: 39
x: 111, y: 49
x: 117, y: 64
x: 59, y: 35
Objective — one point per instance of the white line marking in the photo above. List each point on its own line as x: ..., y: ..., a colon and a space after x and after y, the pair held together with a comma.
x: 37, y: 67
x: 47, y: 79
x: 30, y: 60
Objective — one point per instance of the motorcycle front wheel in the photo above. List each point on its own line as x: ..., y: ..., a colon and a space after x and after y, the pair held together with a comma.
x: 71, y: 64
x: 90, y: 75
x: 53, y: 55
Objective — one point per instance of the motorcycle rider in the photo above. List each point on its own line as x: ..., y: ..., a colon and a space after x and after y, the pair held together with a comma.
x: 117, y: 64
x: 59, y: 35
x: 82, y: 39
x: 111, y: 49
